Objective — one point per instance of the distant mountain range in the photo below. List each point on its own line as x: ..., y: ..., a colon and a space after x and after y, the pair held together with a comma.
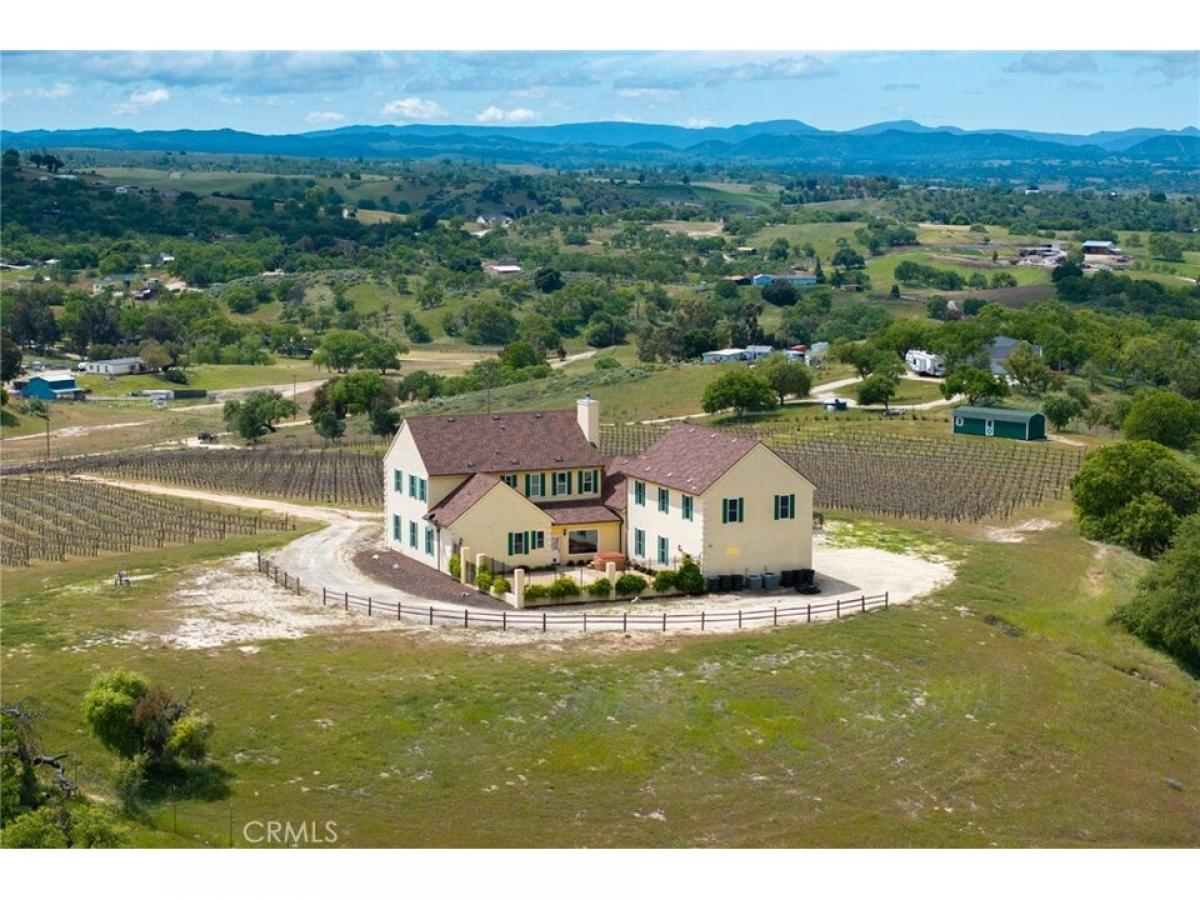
x: 903, y: 147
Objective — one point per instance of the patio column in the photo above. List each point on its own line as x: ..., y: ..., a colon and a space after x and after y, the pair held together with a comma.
x: 463, y: 556
x: 610, y: 572
x: 519, y: 587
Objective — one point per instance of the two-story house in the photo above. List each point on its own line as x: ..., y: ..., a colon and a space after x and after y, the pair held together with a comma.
x: 727, y: 501
x: 531, y: 490
x: 524, y: 488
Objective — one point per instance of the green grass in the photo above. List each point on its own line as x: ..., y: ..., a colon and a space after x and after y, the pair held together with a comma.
x: 1002, y: 712
x: 207, y: 377
x: 882, y: 270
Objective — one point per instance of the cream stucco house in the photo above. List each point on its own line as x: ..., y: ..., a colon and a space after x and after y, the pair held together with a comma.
x: 531, y: 490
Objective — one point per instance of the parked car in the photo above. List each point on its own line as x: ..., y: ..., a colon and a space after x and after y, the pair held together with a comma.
x: 206, y: 437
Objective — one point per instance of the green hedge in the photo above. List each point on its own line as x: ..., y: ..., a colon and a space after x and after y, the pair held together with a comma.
x: 600, y: 588
x: 628, y: 585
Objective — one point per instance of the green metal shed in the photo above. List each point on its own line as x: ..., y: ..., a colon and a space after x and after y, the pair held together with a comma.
x: 991, y: 421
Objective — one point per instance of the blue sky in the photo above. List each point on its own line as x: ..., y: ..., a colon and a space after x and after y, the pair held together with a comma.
x: 288, y: 92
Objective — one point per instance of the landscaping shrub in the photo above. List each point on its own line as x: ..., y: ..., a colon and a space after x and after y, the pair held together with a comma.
x: 689, y: 578
x: 561, y: 588
x: 664, y: 581
x: 536, y: 592
x: 607, y: 362
x: 600, y: 588
x: 483, y: 580
x: 500, y: 583
x: 455, y: 565
x: 629, y: 585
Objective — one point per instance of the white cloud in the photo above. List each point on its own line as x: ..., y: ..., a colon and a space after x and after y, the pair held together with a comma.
x: 1053, y: 63
x: 653, y: 95
x: 496, y: 114
x: 140, y: 100
x: 698, y: 123
x: 60, y: 90
x: 324, y: 118
x: 412, y: 108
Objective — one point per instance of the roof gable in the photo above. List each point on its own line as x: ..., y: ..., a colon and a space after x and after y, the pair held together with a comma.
x: 689, y: 458
x: 506, y: 442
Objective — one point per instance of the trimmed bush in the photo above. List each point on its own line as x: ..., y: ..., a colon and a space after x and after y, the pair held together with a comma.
x: 500, y: 583
x: 664, y: 581
x: 483, y: 580
x: 599, y: 588
x: 561, y: 588
x: 536, y: 592
x: 455, y: 565
x: 689, y: 578
x: 629, y: 585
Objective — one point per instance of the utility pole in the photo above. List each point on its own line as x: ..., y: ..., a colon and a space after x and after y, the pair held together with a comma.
x: 296, y: 413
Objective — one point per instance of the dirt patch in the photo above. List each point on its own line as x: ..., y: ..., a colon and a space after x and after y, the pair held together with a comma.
x: 232, y: 604
x: 1016, y: 533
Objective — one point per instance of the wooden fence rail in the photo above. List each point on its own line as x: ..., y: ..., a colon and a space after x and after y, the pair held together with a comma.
x: 583, y: 620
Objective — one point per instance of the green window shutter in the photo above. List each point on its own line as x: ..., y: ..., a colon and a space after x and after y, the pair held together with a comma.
x: 741, y: 509
x: 554, y: 485
x: 542, y: 483
x: 527, y: 485
x: 510, y: 543
x: 776, y: 506
x: 724, y: 511
x: 791, y: 506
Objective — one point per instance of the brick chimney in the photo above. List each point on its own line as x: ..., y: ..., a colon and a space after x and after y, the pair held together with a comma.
x: 587, y: 414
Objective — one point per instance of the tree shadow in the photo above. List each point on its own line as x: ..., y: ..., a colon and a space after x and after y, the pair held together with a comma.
x: 199, y: 781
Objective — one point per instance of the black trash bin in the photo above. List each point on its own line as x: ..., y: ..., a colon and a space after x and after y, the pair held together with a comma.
x: 787, y: 578
x: 723, y: 583
x: 805, y: 576
x: 714, y: 583
x: 737, y: 582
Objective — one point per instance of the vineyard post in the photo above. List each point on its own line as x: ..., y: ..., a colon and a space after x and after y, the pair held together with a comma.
x: 504, y: 620
x: 323, y: 593
x: 739, y: 618
x: 466, y: 618
x: 664, y: 621
x: 775, y: 620
x: 701, y: 620
x: 808, y: 615
x: 368, y: 607
x: 431, y: 615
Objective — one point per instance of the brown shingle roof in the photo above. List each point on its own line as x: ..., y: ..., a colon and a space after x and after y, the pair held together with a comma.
x: 688, y: 458
x: 462, y: 498
x: 577, y: 512
x: 613, y: 493
x: 507, y: 442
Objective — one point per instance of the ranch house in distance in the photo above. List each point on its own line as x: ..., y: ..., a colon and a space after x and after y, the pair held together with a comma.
x: 531, y: 490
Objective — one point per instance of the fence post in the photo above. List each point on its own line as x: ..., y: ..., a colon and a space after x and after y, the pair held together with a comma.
x: 739, y: 618
x: 885, y: 599
x: 431, y: 615
x: 466, y: 618
x: 775, y: 617
x: 701, y: 620
x: 625, y: 621
x: 368, y: 606
x: 664, y: 621
x: 543, y: 622
x: 864, y: 602
x: 504, y: 620
x: 809, y: 613
x: 584, y: 619
x: 399, y: 610
x: 323, y: 592
x: 839, y: 609
x: 346, y: 600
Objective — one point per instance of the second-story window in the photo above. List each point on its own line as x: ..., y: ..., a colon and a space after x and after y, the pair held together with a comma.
x: 562, y: 483
x: 664, y: 500
x: 639, y: 493
x: 685, y: 506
